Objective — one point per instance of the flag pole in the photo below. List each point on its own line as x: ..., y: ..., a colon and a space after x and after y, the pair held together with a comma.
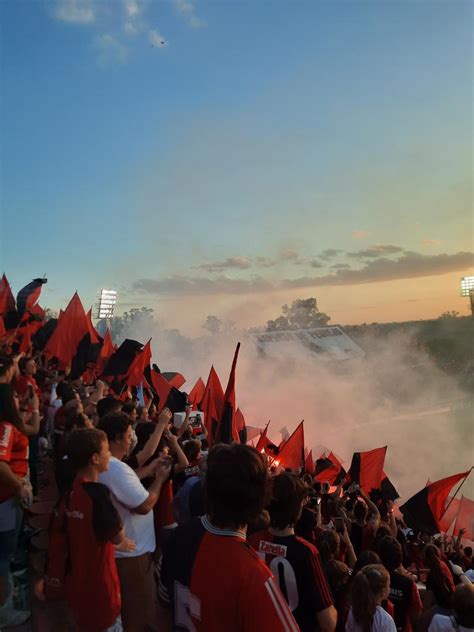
x: 452, y: 497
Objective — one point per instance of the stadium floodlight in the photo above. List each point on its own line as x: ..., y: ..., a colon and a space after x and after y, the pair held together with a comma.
x: 107, y: 302
x: 467, y: 289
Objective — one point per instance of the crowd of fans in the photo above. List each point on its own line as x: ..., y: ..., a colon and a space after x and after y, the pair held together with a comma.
x: 154, y: 531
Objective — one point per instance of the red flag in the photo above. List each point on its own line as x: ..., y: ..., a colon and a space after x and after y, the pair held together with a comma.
x: 309, y: 463
x: 162, y: 388
x: 241, y: 426
x: 465, y: 518
x: 367, y: 468
x: 424, y: 510
x: 3, y: 331
x: 226, y: 429
x: 7, y: 302
x: 71, y: 329
x: 292, y: 453
x: 197, y: 393
x: 25, y: 344
x: 263, y: 441
x: 134, y: 375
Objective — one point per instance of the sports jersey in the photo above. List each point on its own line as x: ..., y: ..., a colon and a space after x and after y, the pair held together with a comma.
x: 362, y: 537
x: 406, y: 601
x: 214, y: 582
x: 297, y: 567
x: 21, y: 384
x: 14, y: 451
x: 92, y: 583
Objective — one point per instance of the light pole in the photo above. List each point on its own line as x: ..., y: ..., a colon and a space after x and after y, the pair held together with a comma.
x: 107, y: 302
x: 467, y: 289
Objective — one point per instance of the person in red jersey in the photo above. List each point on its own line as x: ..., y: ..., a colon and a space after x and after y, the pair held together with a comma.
x: 210, y: 578
x: 93, y: 527
x: 295, y: 562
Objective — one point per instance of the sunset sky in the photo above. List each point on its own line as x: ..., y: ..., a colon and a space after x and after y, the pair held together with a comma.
x: 228, y: 157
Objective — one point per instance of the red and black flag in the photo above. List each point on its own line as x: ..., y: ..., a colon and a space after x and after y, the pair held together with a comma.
x: 329, y: 468
x: 241, y: 426
x: 212, y: 404
x: 119, y: 362
x: 7, y: 302
x: 175, y: 379
x: 197, y: 393
x: 226, y: 430
x: 106, y: 351
x: 135, y: 374
x: 71, y: 341
x: 309, y: 467
x: 25, y: 344
x: 291, y: 455
x: 387, y: 489
x: 263, y: 441
x: 367, y: 468
x: 424, y: 510
x: 166, y: 396
x: 465, y: 518
x: 29, y: 295
x: 450, y: 514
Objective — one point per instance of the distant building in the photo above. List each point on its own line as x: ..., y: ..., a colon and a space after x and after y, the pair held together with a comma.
x: 331, y: 342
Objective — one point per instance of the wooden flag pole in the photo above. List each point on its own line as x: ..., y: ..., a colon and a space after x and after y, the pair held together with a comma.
x: 453, y: 496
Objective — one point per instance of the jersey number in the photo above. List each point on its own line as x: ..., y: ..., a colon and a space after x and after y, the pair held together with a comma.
x: 285, y: 575
x: 186, y: 605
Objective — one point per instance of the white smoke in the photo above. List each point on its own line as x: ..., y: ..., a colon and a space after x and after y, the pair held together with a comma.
x: 395, y: 396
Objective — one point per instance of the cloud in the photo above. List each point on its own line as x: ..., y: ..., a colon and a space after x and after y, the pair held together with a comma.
x: 289, y: 254
x: 75, y: 11
x: 375, y: 251
x: 430, y: 242
x: 314, y: 263
x: 360, y: 234
x: 187, y: 10
x: 156, y: 39
x: 329, y: 253
x: 409, y: 265
x: 241, y: 263
x: 340, y: 266
x: 110, y: 50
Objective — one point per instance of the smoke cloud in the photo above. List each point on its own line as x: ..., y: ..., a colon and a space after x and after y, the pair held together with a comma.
x: 395, y: 396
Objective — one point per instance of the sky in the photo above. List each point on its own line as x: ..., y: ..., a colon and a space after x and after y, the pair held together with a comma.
x: 229, y: 157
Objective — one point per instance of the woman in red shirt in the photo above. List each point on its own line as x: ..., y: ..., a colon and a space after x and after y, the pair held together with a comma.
x: 14, y: 486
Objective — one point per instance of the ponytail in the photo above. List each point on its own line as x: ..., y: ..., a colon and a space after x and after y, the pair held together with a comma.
x: 367, y: 587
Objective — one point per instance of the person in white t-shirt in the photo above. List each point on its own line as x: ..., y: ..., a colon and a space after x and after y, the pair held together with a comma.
x: 370, y: 587
x: 462, y: 619
x: 134, y: 504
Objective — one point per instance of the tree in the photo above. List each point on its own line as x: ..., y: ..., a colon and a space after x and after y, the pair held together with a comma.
x: 451, y: 314
x: 215, y: 325
x: 120, y: 324
x: 302, y: 314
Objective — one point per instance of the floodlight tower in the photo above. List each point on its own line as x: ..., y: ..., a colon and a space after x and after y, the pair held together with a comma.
x: 107, y: 302
x: 467, y: 289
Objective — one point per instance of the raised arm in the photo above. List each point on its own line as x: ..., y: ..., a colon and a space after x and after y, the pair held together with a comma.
x: 152, y: 444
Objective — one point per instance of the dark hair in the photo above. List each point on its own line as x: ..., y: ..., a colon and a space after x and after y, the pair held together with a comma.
x: 328, y: 545
x: 191, y: 449
x: 82, y: 444
x: 338, y: 575
x: 366, y: 587
x: 287, y: 497
x: 365, y: 558
x: 436, y: 580
x: 6, y: 363
x: 108, y: 405
x: 468, y: 551
x: 391, y: 553
x: 114, y: 425
x: 360, y: 510
x: 237, y: 485
x: 75, y: 421
x: 8, y: 408
x: 68, y: 395
x: 23, y: 362
x: 463, y: 605
x: 129, y: 407
x: 61, y: 388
